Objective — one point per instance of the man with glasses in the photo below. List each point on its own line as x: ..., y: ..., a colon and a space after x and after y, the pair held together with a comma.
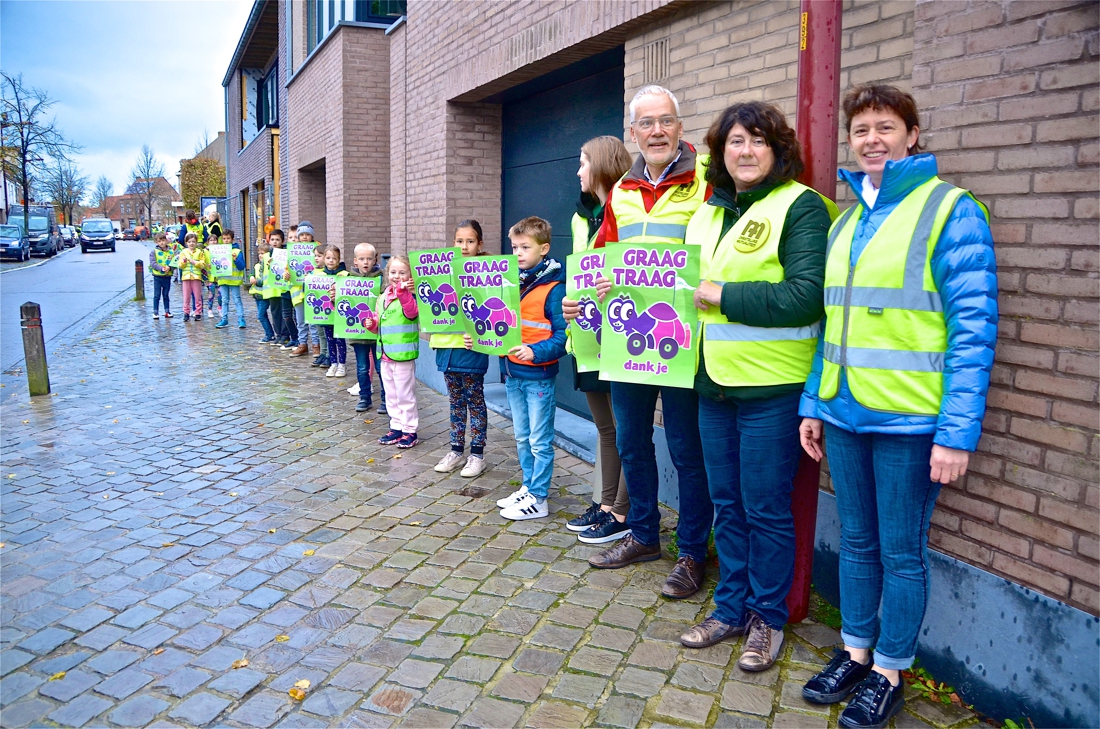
x: 652, y: 204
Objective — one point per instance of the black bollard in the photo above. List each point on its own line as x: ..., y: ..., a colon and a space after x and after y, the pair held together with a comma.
x: 139, y: 281
x: 34, y: 349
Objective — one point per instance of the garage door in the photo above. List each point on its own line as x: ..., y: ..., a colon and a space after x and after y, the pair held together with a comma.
x: 545, y: 123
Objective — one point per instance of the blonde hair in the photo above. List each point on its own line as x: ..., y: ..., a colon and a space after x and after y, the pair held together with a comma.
x: 365, y: 246
x: 326, y: 247
x: 534, y: 227
x: 400, y: 258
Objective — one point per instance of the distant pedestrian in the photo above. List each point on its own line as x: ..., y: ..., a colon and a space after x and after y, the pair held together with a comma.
x: 230, y: 286
x: 399, y: 342
x: 160, y: 259
x: 193, y: 262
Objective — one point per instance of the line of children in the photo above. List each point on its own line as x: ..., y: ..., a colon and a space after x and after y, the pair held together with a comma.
x: 230, y: 286
x: 399, y: 343
x: 160, y: 265
x: 365, y: 265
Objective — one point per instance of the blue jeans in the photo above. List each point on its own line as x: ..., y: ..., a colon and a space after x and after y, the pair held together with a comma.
x: 290, y: 328
x: 885, y: 497
x: 752, y: 453
x: 303, y: 328
x: 363, y: 352
x: 262, y: 305
x: 533, y: 403
x: 162, y: 286
x: 227, y: 294
x: 634, y: 406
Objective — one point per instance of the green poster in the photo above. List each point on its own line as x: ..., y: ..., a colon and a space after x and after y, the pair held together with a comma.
x: 581, y: 272
x: 355, y: 299
x: 436, y: 298
x: 279, y: 261
x: 221, y: 260
x: 320, y: 303
x: 300, y: 260
x: 489, y: 301
x: 650, y: 332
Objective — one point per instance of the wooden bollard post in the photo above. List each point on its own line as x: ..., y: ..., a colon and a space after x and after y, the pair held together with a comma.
x: 139, y: 281
x: 34, y: 349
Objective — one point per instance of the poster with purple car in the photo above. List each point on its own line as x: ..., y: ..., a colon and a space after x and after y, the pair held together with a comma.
x: 648, y: 333
x: 434, y: 286
x: 220, y: 260
x: 581, y: 272
x: 488, y: 289
x: 300, y: 260
x: 320, y: 301
x: 279, y: 263
x: 355, y: 299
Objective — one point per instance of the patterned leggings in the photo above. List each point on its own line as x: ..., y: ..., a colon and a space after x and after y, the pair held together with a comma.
x: 467, y: 391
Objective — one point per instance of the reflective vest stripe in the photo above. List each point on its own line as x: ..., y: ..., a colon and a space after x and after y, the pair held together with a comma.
x: 885, y: 359
x: 400, y: 348
x: 398, y: 336
x: 536, y: 324
x: 746, y: 333
x: 662, y: 230
x: 397, y: 328
x: 884, y: 298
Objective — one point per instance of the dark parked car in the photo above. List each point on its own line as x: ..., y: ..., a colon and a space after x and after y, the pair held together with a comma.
x: 68, y: 236
x: 128, y: 234
x: 42, y: 230
x: 97, y: 233
x: 13, y: 244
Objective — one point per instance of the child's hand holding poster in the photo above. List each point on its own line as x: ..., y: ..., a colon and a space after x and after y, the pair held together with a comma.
x: 488, y: 288
x: 649, y: 326
x: 582, y: 270
x: 300, y: 260
x: 320, y: 304
x: 279, y: 263
x: 436, y: 297
x: 355, y: 304
x: 221, y: 256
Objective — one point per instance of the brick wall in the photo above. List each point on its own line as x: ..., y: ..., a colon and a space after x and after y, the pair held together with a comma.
x: 245, y: 167
x: 1008, y: 93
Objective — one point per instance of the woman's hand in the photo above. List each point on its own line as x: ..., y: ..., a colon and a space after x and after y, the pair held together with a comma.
x: 570, y: 309
x: 707, y: 294
x: 947, y: 464
x: 809, y: 434
x: 603, y: 287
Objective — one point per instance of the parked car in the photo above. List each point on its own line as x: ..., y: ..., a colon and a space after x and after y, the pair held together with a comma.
x: 13, y: 243
x: 97, y: 233
x: 68, y: 236
x: 45, y: 238
x: 129, y: 234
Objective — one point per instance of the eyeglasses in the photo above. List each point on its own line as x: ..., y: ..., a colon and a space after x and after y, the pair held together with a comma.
x: 666, y: 122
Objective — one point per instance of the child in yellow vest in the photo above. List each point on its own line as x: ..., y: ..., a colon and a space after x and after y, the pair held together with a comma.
x: 160, y: 266
x: 258, y: 289
x: 399, y: 344
x: 193, y: 263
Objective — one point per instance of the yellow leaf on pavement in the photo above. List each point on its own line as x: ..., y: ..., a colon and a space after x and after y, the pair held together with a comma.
x: 307, y: 553
x: 297, y: 694
x: 168, y: 544
x: 398, y: 455
x: 11, y: 475
x: 270, y: 531
x: 158, y: 651
x: 282, y: 638
x: 25, y: 422
x: 240, y: 663
x: 370, y: 460
x: 368, y: 422
x: 58, y: 676
x: 303, y: 684
x: 111, y: 473
x: 414, y: 523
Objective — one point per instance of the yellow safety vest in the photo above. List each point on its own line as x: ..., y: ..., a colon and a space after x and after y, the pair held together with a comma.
x: 237, y: 276
x: 268, y: 290
x: 581, y: 240
x: 884, y: 315
x: 739, y: 355
x: 163, y: 258
x: 667, y: 221
x: 189, y: 264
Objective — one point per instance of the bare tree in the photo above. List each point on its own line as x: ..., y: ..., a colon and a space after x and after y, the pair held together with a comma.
x: 204, y: 141
x: 66, y: 187
x: 143, y: 179
x: 103, y: 190
x: 27, y: 131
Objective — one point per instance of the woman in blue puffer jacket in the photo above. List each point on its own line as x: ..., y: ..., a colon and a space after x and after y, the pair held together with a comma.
x: 898, y: 387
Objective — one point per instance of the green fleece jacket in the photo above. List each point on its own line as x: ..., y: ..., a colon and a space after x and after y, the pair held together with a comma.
x: 797, y: 301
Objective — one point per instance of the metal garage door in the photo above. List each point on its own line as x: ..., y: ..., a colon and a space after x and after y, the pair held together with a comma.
x: 545, y: 123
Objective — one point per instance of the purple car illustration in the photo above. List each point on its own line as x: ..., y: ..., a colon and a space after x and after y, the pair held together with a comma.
x: 221, y: 263
x: 439, y: 299
x: 301, y: 267
x: 320, y: 304
x: 658, y: 327
x: 493, y: 315
x: 356, y: 316
x: 589, y: 318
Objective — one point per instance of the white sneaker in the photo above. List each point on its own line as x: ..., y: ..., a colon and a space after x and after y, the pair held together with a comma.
x: 354, y: 389
x: 527, y: 507
x: 341, y: 370
x: 210, y: 314
x: 512, y: 498
x: 449, y: 462
x: 474, y: 466
x: 331, y: 371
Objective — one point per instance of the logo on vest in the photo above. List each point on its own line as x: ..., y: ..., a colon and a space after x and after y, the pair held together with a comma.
x: 685, y: 191
x: 753, y: 235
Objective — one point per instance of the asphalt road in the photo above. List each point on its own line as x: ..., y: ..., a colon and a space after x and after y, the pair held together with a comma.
x: 69, y: 287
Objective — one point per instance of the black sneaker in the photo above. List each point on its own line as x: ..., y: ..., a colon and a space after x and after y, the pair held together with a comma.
x: 318, y: 360
x: 607, y: 530
x: 586, y: 520
x: 836, y: 680
x: 874, y: 703
x: 382, y: 409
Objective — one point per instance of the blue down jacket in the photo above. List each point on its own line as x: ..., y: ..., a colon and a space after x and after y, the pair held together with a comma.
x: 965, y: 272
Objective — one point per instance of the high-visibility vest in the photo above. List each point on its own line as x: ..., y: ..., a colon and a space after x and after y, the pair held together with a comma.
x: 581, y: 240
x: 189, y: 264
x: 884, y: 315
x: 164, y: 258
x: 297, y: 293
x: 257, y: 289
x: 534, y: 325
x: 667, y: 221
x: 238, y: 273
x: 398, y: 336
x: 268, y: 290
x: 739, y: 355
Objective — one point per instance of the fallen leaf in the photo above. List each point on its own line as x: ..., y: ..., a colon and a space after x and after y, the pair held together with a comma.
x: 368, y: 422
x: 398, y: 455
x: 158, y: 651
x: 260, y: 425
x: 1, y: 544
x: 106, y: 496
x: 307, y: 553
x: 106, y: 407
x: 160, y: 493
x: 370, y: 460
x: 303, y: 684
x: 11, y: 475
x: 270, y: 531
x: 297, y: 694
x: 168, y: 544
x: 240, y: 663
x: 58, y: 676
x: 111, y: 473
x: 232, y: 493
x: 282, y: 638
x: 115, y: 421
x: 414, y: 523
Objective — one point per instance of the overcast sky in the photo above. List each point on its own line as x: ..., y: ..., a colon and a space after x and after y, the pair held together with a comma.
x: 126, y: 74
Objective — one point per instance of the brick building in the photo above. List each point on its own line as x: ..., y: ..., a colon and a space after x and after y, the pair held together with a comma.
x: 129, y: 208
x: 478, y: 109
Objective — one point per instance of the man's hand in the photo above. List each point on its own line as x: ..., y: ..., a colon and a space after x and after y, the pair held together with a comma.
x: 523, y: 353
x: 707, y: 294
x: 570, y: 309
x: 947, y: 464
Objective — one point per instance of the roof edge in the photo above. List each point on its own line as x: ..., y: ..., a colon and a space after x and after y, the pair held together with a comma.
x: 246, y: 35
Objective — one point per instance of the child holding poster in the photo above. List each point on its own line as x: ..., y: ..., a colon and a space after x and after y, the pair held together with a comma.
x: 337, y: 347
x: 530, y: 369
x: 231, y: 286
x: 258, y: 288
x: 365, y: 265
x: 399, y: 342
x: 313, y: 336
x: 464, y: 371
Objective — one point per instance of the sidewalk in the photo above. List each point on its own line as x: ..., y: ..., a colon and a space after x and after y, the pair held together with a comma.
x: 188, y: 499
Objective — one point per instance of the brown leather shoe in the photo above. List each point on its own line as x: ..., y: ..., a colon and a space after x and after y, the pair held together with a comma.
x: 762, y: 646
x: 710, y: 632
x: 316, y: 351
x: 628, y: 551
x: 685, y: 579
x: 299, y: 350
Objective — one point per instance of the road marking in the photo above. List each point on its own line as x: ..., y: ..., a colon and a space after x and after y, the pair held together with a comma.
x: 40, y: 263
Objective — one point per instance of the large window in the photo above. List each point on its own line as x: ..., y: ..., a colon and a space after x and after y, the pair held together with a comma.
x: 267, y: 100
x: 323, y: 15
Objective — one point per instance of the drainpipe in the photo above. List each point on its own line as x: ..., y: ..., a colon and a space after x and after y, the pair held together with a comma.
x: 816, y: 128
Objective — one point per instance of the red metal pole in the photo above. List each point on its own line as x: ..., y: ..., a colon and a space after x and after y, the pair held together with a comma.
x: 816, y: 127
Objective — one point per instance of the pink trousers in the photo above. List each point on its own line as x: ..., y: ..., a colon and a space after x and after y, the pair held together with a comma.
x: 399, y: 381
x: 192, y: 288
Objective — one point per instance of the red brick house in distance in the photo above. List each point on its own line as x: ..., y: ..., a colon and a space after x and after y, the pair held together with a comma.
x: 129, y: 208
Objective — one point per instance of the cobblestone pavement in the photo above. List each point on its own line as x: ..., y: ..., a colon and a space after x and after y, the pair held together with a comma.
x: 188, y: 499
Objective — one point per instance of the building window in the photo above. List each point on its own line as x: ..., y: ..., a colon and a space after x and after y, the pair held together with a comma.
x: 323, y: 15
x: 267, y: 100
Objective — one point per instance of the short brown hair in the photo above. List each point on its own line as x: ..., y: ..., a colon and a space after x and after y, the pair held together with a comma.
x: 764, y: 120
x: 608, y: 159
x: 326, y: 247
x: 881, y: 97
x: 230, y: 233
x: 536, y: 228
x: 159, y: 236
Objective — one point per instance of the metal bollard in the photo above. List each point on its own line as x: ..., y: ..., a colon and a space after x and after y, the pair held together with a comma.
x: 139, y: 281
x: 34, y: 349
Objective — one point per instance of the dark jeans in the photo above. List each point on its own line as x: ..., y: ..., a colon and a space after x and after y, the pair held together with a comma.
x: 884, y: 497
x: 162, y: 286
x: 752, y: 453
x: 289, y: 325
x: 634, y: 406
x: 262, y: 305
x: 364, y: 350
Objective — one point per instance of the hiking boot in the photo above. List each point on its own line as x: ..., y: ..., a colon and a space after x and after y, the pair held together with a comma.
x: 762, y: 645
